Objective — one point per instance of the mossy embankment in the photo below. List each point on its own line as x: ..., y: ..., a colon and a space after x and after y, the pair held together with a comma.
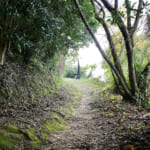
x: 34, y: 103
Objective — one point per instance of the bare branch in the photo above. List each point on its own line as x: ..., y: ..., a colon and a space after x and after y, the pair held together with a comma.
x: 137, y: 16
x: 101, y: 8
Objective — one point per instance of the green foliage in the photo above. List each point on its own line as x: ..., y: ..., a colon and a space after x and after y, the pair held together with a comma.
x: 40, y: 29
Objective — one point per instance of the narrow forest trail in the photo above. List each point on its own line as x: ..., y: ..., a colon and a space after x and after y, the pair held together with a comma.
x: 101, y: 123
x: 82, y: 132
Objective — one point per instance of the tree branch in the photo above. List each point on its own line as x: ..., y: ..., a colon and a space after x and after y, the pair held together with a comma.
x: 108, y: 5
x: 128, y: 8
x: 101, y: 8
x: 101, y: 50
x: 137, y: 16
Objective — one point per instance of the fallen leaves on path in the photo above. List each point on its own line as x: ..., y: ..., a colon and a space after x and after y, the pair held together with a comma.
x: 103, y: 122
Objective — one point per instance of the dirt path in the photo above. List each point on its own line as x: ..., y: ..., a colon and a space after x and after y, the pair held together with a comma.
x: 101, y: 123
x: 81, y: 130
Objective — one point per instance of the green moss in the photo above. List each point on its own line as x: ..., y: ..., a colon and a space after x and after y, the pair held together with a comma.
x: 69, y: 110
x: 5, y: 140
x: 11, y: 128
x: 8, y: 140
x: 30, y: 133
x: 53, y: 126
x: 58, y: 118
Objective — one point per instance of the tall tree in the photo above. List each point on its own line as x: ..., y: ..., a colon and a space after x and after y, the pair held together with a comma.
x: 127, y: 21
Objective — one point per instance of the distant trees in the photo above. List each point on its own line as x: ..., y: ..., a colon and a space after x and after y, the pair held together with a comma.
x: 39, y: 29
x: 71, y: 72
x: 71, y: 69
x: 126, y: 18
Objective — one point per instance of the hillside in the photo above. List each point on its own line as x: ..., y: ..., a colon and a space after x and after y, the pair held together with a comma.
x: 32, y: 106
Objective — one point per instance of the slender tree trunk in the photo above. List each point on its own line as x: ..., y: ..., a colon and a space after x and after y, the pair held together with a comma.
x: 78, y: 71
x: 3, y: 49
x: 131, y: 65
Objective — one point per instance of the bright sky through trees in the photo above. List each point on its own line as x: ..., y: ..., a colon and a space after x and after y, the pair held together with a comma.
x: 90, y: 55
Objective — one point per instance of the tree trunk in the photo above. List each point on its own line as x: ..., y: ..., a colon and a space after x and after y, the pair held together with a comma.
x: 130, y: 55
x: 3, y: 49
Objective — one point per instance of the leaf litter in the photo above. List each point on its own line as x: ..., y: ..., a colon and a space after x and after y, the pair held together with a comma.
x: 103, y: 121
